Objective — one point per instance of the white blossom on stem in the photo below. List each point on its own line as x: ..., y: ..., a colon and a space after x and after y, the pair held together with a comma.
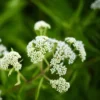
x: 38, y: 47
x: 78, y: 45
x: 60, y: 85
x: 63, y: 51
x: 10, y: 58
x: 41, y: 24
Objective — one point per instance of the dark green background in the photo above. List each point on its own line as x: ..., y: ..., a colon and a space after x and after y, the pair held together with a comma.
x: 68, y: 18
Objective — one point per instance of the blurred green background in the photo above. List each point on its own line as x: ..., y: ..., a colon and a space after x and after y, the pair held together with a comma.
x: 68, y: 18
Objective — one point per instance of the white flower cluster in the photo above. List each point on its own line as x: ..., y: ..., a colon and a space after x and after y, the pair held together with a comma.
x: 41, y: 45
x: 3, y: 50
x: 63, y: 51
x: 78, y: 45
x: 95, y: 4
x: 0, y: 95
x: 38, y: 47
x: 10, y: 58
x: 60, y: 85
x: 41, y: 25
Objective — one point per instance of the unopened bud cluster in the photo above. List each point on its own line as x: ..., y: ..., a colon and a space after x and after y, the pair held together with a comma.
x: 41, y: 45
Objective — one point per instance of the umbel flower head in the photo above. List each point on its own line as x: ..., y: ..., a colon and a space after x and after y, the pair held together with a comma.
x: 60, y: 85
x: 38, y: 47
x: 78, y: 45
x: 95, y: 4
x: 10, y: 58
x: 61, y: 50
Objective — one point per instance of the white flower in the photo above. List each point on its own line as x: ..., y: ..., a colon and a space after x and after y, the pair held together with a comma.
x: 3, y: 50
x: 60, y: 85
x: 61, y: 70
x: 95, y: 4
x: 78, y: 45
x: 10, y: 58
x: 38, y: 47
x: 63, y: 51
x: 41, y: 25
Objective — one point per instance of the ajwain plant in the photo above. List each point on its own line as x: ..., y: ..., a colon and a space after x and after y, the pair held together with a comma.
x: 39, y: 50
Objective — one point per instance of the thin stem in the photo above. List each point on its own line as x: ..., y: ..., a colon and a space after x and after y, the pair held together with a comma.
x: 47, y: 78
x: 46, y: 62
x: 39, y: 87
x: 74, y: 77
x: 41, y: 66
x: 77, y: 13
x: 45, y: 30
x: 36, y: 77
x: 18, y: 79
x: 10, y: 72
x: 24, y: 79
x: 89, y: 18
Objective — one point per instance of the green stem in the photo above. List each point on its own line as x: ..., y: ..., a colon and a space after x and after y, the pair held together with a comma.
x: 46, y: 62
x: 39, y: 75
x: 10, y: 72
x: 41, y: 66
x: 24, y: 79
x: 77, y: 13
x: 74, y: 77
x: 39, y: 88
x: 46, y: 77
x: 89, y: 18
x: 18, y: 80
